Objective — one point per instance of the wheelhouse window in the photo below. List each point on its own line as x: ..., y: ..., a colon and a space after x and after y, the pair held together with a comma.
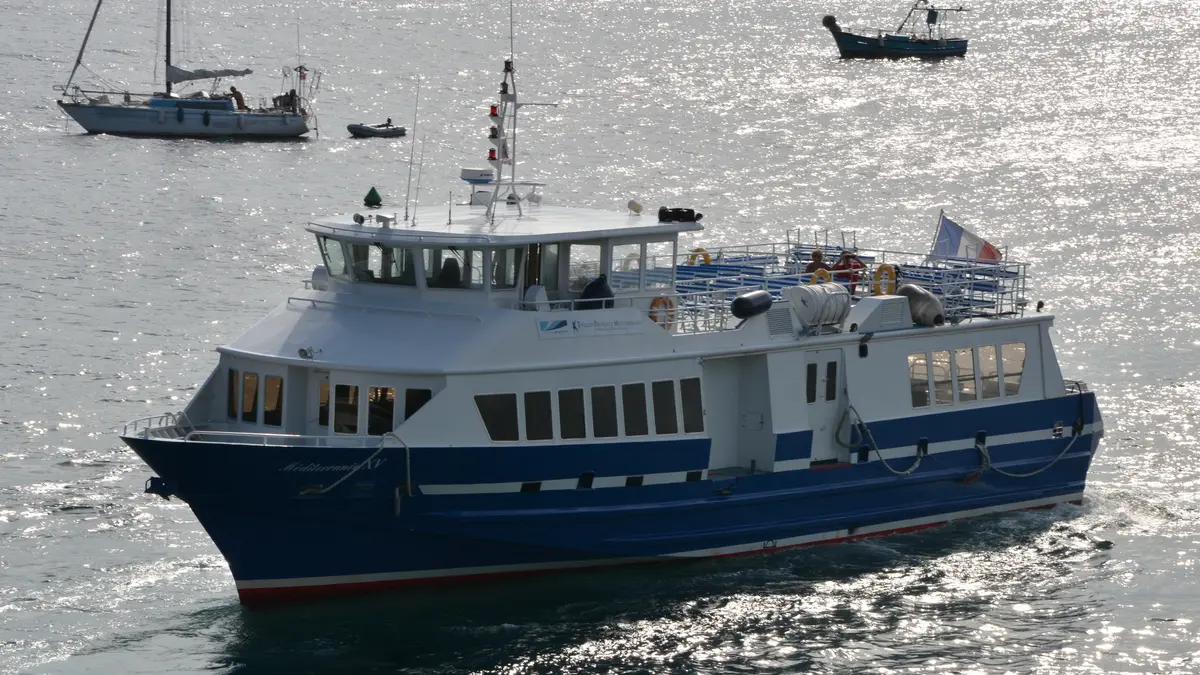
x: 250, y: 398
x: 548, y: 263
x: 918, y: 376
x: 633, y: 405
x: 660, y: 264
x: 506, y: 267
x: 666, y: 419
x: 572, y: 421
x: 345, y: 409
x: 1013, y: 354
x: 584, y: 265
x: 453, y: 267
x: 604, y: 412
x: 964, y: 366
x: 539, y: 418
x: 943, y: 382
x: 414, y: 400
x: 334, y: 256
x: 273, y: 401
x: 231, y: 401
x: 381, y: 410
x: 693, y: 405
x: 383, y: 265
x: 989, y: 372
x: 499, y: 413
x: 625, y: 273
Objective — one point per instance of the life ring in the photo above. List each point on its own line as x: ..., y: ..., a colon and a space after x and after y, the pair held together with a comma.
x: 820, y: 276
x: 885, y: 280
x: 662, y: 311
x: 630, y: 262
x: 697, y: 254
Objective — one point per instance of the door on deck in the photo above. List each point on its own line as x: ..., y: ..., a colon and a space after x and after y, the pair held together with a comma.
x: 824, y: 391
x: 317, y: 406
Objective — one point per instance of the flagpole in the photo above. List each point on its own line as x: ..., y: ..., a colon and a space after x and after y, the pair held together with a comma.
x: 936, y: 229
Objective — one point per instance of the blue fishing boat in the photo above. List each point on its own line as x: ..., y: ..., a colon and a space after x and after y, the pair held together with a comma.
x: 504, y: 387
x: 925, y: 39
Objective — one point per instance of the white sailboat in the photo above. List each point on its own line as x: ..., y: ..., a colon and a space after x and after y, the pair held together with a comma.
x: 200, y: 114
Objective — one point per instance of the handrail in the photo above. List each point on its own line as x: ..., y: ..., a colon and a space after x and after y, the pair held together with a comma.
x: 407, y: 459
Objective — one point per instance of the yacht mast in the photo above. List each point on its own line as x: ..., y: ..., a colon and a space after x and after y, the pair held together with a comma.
x: 167, y: 72
x: 88, y: 34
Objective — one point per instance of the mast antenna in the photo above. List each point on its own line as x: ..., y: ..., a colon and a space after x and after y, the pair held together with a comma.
x: 412, y: 148
x: 420, y: 170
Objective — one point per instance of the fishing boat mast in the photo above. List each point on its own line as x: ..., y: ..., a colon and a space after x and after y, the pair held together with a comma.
x: 167, y: 72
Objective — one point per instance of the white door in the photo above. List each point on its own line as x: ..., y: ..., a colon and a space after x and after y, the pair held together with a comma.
x: 317, y: 408
x: 824, y: 391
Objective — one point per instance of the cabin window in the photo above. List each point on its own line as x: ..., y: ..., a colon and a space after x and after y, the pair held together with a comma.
x: 231, y: 402
x: 810, y: 383
x: 584, y: 265
x: 626, y: 267
x: 831, y: 381
x: 499, y: 413
x: 549, y: 267
x: 323, y: 404
x: 1013, y: 354
x: 666, y: 421
x: 918, y: 376
x: 964, y: 365
x: 989, y: 373
x: 345, y: 409
x: 539, y: 418
x: 414, y: 400
x: 572, y: 423
x: 604, y: 412
x: 633, y: 404
x: 660, y: 265
x: 334, y: 256
x: 383, y: 265
x: 250, y: 398
x: 943, y: 381
x: 693, y: 405
x: 506, y: 267
x: 381, y: 410
x: 453, y: 268
x: 273, y: 401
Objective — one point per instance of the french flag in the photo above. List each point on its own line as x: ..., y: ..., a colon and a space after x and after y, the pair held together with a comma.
x: 955, y: 241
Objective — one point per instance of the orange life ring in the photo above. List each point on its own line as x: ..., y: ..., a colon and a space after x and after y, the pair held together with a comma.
x: 885, y: 280
x: 820, y: 276
x: 697, y: 254
x: 662, y: 311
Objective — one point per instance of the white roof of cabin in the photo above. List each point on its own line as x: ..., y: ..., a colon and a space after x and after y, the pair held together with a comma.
x: 471, y: 227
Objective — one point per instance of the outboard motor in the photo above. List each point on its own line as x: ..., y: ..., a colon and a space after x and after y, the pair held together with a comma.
x: 925, y: 307
x: 748, y: 305
x: 830, y: 22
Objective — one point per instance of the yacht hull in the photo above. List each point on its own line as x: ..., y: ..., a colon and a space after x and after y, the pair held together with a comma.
x: 135, y: 120
x: 296, y: 522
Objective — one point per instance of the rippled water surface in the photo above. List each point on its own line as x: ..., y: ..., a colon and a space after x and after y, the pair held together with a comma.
x: 1068, y: 134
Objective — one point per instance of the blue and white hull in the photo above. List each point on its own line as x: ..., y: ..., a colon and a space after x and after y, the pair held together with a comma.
x: 162, y: 121
x: 285, y: 538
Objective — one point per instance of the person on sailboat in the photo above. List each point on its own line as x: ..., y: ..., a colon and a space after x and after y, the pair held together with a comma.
x: 237, y: 98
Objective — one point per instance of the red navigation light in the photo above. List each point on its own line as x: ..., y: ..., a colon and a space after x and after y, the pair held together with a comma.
x: 492, y: 154
x: 495, y: 111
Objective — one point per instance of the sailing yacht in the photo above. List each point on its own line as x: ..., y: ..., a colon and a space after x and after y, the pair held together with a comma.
x: 200, y: 114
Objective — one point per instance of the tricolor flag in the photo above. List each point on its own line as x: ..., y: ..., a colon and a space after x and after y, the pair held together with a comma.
x: 955, y: 241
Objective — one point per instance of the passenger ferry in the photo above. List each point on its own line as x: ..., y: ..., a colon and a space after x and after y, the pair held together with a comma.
x: 504, y: 387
